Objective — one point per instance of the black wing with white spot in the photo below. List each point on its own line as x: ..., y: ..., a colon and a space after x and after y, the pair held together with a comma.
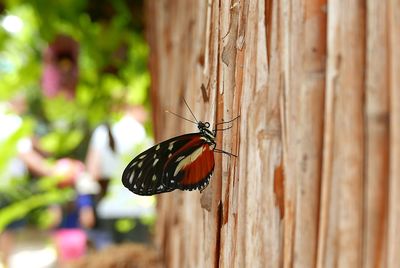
x: 144, y: 174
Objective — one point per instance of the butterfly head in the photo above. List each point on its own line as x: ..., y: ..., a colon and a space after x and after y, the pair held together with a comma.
x: 205, y: 132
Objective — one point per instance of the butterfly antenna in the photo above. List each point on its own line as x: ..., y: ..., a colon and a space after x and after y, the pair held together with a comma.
x: 181, y: 117
x: 190, y: 110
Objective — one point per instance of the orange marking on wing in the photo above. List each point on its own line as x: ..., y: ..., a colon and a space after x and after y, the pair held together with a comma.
x: 200, y: 168
x: 196, y: 141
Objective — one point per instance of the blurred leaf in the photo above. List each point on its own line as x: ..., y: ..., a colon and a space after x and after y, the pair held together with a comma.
x: 148, y: 220
x: 9, y: 146
x: 19, y: 209
x: 136, y: 95
x: 125, y: 225
x: 61, y: 142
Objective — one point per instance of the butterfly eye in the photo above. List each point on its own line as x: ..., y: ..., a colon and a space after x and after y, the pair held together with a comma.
x: 207, y: 124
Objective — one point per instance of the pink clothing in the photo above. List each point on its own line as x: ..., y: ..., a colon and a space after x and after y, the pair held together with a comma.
x: 71, y: 243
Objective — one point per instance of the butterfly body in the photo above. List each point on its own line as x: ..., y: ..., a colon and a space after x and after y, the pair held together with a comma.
x: 185, y: 162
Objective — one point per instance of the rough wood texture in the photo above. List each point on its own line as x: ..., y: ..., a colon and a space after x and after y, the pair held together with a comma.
x: 317, y: 178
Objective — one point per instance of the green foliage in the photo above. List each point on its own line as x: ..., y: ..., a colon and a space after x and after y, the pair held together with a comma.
x: 19, y: 59
x: 148, y: 220
x: 125, y: 225
x: 19, y: 209
x: 112, y: 69
x: 112, y: 65
x: 8, y: 146
x: 19, y: 199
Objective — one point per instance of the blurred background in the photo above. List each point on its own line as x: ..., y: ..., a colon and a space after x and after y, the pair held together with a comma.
x: 74, y: 109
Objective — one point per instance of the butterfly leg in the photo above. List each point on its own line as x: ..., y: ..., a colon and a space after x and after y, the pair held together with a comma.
x: 222, y: 129
x: 220, y: 123
x: 227, y: 122
x: 224, y: 152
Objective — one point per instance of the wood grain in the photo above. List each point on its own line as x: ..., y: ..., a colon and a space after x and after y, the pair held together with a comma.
x: 317, y: 178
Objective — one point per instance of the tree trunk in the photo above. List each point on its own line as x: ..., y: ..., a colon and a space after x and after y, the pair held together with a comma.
x: 317, y: 179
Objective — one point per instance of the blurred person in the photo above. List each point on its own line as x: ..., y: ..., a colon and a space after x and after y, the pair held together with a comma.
x: 60, y: 67
x: 26, y: 160
x: 28, y: 157
x: 109, y: 144
x: 110, y: 148
x: 60, y: 77
x: 10, y: 123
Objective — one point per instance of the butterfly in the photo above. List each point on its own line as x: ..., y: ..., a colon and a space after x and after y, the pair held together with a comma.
x: 184, y: 162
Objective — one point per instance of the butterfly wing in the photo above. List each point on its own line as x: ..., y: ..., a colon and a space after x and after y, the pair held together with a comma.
x: 191, y: 166
x: 144, y: 174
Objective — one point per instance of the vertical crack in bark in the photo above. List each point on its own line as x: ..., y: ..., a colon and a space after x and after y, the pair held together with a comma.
x: 268, y: 27
x: 218, y: 242
x: 279, y: 190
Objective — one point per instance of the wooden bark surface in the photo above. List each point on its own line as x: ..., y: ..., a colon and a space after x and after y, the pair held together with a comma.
x: 317, y: 84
